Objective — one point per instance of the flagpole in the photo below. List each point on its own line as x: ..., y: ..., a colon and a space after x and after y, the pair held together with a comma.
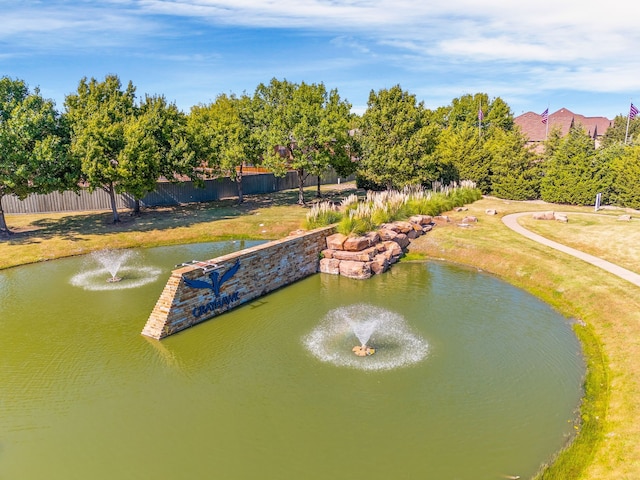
x: 626, y: 133
x: 546, y: 132
x: 480, y: 120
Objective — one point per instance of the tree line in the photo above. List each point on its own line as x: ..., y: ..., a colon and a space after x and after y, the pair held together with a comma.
x: 108, y: 139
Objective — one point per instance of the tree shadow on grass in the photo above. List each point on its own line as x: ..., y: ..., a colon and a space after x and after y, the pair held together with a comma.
x: 75, y: 226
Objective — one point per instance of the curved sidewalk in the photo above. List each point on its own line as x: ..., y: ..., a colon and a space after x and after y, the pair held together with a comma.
x: 511, y: 221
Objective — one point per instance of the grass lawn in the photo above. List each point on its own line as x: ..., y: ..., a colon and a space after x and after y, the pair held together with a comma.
x: 260, y: 217
x: 606, y: 308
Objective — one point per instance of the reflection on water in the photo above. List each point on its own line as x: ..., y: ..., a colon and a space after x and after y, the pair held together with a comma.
x: 84, y: 395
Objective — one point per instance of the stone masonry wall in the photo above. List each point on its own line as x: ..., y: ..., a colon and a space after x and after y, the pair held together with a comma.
x: 198, y: 292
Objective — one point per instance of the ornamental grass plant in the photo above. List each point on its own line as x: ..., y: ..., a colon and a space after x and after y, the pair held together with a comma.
x: 355, y: 216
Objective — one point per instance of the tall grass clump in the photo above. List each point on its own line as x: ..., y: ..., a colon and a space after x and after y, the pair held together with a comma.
x: 361, y: 216
x: 322, y: 214
x: 387, y: 206
x: 357, y: 221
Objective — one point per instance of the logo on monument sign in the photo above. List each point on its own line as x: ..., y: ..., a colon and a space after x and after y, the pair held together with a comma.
x: 220, y: 302
x: 216, y: 280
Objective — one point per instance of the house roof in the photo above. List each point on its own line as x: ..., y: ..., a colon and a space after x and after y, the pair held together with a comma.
x: 531, y: 124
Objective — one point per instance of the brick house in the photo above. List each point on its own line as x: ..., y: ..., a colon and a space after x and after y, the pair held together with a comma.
x: 532, y: 127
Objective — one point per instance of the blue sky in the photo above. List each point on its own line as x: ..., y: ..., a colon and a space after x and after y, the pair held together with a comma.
x: 579, y: 54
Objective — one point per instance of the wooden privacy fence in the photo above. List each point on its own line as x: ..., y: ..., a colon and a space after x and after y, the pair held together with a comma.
x: 166, y: 193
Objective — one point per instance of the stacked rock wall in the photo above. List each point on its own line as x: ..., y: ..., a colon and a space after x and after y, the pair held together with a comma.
x: 200, y: 291
x: 373, y: 253
x: 197, y: 292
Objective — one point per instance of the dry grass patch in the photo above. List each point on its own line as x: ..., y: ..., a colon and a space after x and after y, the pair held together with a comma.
x: 602, y: 235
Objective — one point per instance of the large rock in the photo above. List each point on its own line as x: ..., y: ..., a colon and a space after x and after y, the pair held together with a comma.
x: 413, y: 234
x: 470, y: 219
x: 380, y: 264
x: 402, y: 240
x: 387, y: 234
x: 358, y: 270
x: 421, y: 219
x: 336, y: 241
x: 624, y: 218
x: 561, y: 217
x: 355, y: 244
x: 327, y: 253
x: 403, y: 227
x: 365, y: 255
x: 330, y: 265
x: 374, y: 238
x: 393, y: 247
x: 544, y: 216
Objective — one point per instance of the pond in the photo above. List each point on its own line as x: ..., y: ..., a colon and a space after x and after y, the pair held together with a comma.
x: 490, y: 387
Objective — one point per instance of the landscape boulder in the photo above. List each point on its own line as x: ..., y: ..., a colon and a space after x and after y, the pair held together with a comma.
x: 336, y: 241
x: 356, y: 244
x: 544, y: 216
x: 421, y: 219
x: 357, y: 270
x: 330, y: 265
x: 387, y: 234
x: 402, y: 240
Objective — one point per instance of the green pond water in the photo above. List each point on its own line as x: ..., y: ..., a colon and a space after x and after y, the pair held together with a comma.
x: 271, y: 390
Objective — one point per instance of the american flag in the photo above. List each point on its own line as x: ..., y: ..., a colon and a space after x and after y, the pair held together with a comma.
x: 545, y: 116
x: 633, y: 111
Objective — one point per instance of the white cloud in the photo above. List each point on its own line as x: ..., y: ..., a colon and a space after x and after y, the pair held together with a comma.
x: 446, y: 48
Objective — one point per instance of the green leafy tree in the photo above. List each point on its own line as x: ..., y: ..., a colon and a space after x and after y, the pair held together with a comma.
x: 625, y: 178
x: 396, y: 140
x: 465, y: 111
x: 573, y: 174
x: 157, y: 145
x: 515, y: 170
x: 33, y: 146
x: 123, y: 147
x: 302, y: 127
x: 617, y: 132
x: 225, y: 136
x: 463, y: 149
x: 98, y: 114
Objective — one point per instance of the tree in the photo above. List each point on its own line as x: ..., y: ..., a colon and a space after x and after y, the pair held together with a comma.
x: 625, y: 169
x: 395, y: 140
x: 98, y: 113
x: 33, y: 145
x: 515, y: 171
x: 573, y: 174
x: 157, y: 145
x: 462, y: 148
x: 465, y: 111
x: 123, y: 147
x: 224, y: 133
x: 617, y: 132
x: 302, y: 127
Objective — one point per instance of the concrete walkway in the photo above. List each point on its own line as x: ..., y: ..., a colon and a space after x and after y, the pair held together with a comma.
x: 511, y: 221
